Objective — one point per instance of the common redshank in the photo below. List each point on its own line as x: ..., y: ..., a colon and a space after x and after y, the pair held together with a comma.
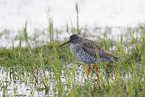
x: 88, y: 51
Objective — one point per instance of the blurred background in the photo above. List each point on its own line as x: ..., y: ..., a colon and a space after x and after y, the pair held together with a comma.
x: 92, y: 14
x: 112, y: 13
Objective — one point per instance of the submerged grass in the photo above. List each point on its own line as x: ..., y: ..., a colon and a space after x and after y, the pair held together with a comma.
x: 52, y: 71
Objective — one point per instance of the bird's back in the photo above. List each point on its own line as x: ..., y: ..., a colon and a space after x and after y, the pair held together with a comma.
x: 93, y: 48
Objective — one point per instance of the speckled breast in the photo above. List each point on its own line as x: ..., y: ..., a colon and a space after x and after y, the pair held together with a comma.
x: 81, y: 55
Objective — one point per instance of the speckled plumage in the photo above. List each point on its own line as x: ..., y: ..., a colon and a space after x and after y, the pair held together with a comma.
x: 85, y: 50
x: 88, y: 51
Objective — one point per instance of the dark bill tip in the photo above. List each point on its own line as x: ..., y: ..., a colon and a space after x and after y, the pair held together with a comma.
x: 64, y: 43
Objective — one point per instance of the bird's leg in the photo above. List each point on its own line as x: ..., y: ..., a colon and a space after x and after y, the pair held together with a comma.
x: 97, y: 70
x: 89, y: 69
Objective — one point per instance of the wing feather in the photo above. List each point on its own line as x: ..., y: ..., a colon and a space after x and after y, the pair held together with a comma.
x: 92, y: 48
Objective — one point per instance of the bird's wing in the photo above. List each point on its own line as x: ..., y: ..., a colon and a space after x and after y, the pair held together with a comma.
x: 92, y: 48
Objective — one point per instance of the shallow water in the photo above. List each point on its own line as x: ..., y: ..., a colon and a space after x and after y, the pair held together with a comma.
x: 23, y: 83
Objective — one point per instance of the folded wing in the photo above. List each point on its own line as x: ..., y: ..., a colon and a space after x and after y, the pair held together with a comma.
x: 92, y: 48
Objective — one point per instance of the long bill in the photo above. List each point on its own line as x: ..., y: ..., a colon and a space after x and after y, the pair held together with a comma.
x: 64, y: 43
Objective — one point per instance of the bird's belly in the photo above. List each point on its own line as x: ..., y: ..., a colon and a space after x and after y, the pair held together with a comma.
x: 86, y: 58
x: 81, y: 55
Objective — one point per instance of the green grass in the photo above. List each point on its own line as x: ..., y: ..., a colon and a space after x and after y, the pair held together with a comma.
x: 50, y: 70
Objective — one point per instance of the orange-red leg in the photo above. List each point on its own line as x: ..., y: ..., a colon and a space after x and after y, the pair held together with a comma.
x: 97, y: 69
x: 89, y: 69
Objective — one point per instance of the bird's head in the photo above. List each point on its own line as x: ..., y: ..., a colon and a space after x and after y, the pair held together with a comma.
x: 74, y: 38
